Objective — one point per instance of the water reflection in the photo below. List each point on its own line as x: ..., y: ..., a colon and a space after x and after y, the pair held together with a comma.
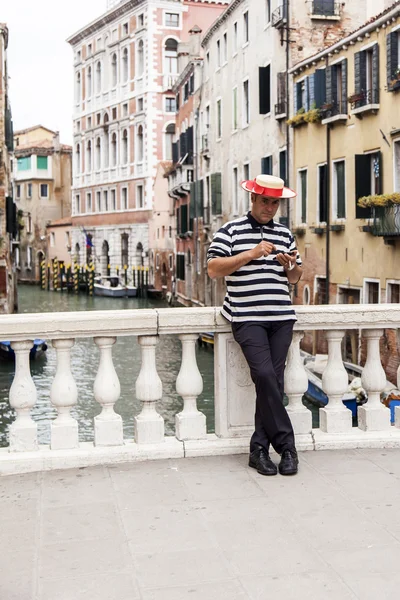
x: 84, y: 364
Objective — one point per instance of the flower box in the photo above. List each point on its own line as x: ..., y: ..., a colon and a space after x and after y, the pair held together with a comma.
x: 337, y: 227
x: 319, y: 230
x: 356, y: 97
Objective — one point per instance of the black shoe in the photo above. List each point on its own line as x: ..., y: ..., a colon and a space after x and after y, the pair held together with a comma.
x: 289, y: 462
x: 259, y: 459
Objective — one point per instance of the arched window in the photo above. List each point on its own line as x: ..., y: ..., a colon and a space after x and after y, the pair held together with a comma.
x: 125, y: 65
x: 98, y: 77
x: 78, y: 88
x: 124, y: 147
x: 88, y: 157
x: 139, y: 254
x: 106, y: 140
x: 89, y: 82
x: 169, y: 138
x: 124, y: 250
x: 171, y: 56
x: 140, y: 66
x: 98, y: 154
x: 78, y: 158
x: 114, y: 70
x: 140, y: 144
x: 113, y: 149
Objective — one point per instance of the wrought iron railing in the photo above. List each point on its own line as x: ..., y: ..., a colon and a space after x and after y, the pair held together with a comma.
x: 364, y: 98
x: 337, y: 107
x: 326, y: 8
x: 279, y: 16
x: 386, y: 220
x: 280, y: 109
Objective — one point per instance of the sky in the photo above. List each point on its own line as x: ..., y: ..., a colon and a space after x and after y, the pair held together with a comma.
x: 40, y: 60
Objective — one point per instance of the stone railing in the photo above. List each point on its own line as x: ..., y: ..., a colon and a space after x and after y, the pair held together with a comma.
x: 234, y: 391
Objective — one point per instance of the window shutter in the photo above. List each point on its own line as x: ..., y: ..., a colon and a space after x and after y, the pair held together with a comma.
x: 363, y: 183
x: 178, y: 220
x: 311, y: 91
x: 282, y: 165
x: 200, y: 198
x: 392, y: 49
x: 281, y: 87
x: 266, y: 165
x: 357, y: 72
x: 330, y: 81
x: 323, y: 173
x: 299, y: 96
x: 343, y: 99
x: 192, y: 204
x: 175, y: 152
x: 320, y: 87
x: 380, y: 174
x: 183, y: 144
x: 184, y: 218
x: 189, y: 140
x: 9, y: 133
x: 9, y: 214
x: 307, y: 93
x: 265, y: 89
x: 375, y: 74
x: 216, y: 193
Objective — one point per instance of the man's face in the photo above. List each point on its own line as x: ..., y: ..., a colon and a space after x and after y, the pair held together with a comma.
x: 264, y: 208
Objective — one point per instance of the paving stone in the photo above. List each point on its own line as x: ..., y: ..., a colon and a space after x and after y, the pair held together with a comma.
x: 110, y: 586
x: 313, y: 585
x: 218, y: 590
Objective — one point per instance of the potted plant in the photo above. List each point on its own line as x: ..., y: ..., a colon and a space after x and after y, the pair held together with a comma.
x: 356, y: 97
x: 298, y: 118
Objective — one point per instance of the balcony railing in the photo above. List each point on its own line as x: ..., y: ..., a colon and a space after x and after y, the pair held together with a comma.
x: 234, y: 392
x: 386, y: 221
x: 204, y: 143
x: 280, y: 110
x: 279, y: 16
x: 368, y: 97
x: 334, y: 109
x: 325, y: 8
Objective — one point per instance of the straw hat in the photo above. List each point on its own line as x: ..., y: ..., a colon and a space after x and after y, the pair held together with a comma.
x: 268, y: 185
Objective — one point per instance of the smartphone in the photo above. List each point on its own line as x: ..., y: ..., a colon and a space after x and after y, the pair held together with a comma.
x: 292, y: 253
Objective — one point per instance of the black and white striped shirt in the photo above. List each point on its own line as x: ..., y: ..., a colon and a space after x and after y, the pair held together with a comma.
x: 258, y: 291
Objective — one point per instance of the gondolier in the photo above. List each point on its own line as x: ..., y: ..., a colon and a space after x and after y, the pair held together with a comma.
x: 258, y: 258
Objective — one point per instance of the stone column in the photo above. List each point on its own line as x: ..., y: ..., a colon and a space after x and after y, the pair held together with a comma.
x: 23, y: 432
x: 296, y: 384
x: 335, y: 417
x: 108, y: 428
x: 149, y: 425
x: 373, y: 416
x: 64, y: 395
x: 190, y: 424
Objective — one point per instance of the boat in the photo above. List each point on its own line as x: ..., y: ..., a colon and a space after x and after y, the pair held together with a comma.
x: 206, y: 339
x: 355, y: 396
x: 38, y: 349
x: 154, y: 293
x: 112, y: 288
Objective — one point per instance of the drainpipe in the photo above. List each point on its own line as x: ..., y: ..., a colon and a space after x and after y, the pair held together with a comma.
x: 287, y: 107
x: 328, y: 204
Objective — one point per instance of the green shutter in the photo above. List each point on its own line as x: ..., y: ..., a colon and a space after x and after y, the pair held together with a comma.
x: 42, y: 162
x: 303, y: 179
x: 363, y: 183
x: 24, y: 163
x: 341, y: 194
x: 216, y: 193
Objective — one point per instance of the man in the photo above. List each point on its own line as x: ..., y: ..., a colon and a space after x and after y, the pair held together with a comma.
x: 258, y: 258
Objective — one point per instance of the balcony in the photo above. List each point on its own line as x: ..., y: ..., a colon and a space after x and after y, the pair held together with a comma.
x: 386, y: 221
x: 334, y: 112
x: 204, y: 144
x: 169, y: 81
x: 280, y: 110
x: 279, y: 17
x: 364, y: 102
x: 326, y: 10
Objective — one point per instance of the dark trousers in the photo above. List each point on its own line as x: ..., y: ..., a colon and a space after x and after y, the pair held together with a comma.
x: 265, y: 347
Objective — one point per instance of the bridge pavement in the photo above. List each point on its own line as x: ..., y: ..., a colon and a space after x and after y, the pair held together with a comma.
x: 205, y: 529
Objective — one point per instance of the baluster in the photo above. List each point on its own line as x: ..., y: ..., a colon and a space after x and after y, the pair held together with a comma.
x: 373, y: 416
x: 335, y: 417
x: 149, y: 425
x: 23, y: 431
x: 190, y: 424
x: 108, y: 428
x: 64, y: 395
x: 296, y: 384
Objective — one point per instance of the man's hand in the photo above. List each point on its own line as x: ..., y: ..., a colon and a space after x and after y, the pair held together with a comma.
x: 287, y: 261
x: 262, y: 249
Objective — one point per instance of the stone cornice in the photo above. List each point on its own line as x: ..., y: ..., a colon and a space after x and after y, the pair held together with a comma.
x: 216, y: 25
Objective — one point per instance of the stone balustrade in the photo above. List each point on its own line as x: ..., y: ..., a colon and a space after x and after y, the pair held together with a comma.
x: 234, y: 391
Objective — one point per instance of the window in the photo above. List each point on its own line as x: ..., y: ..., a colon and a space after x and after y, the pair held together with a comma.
x: 114, y: 149
x: 234, y: 109
x: 225, y: 48
x: 371, y: 292
x: 52, y: 239
x: 366, y: 76
x: 324, y: 8
x: 338, y: 86
x: 105, y: 200
x: 171, y: 260
x: 281, y: 108
x: 125, y: 29
x: 125, y: 110
x: 246, y: 103
x: 139, y: 144
x: 89, y: 82
x: 18, y: 190
x: 140, y: 59
x: 114, y: 35
x: 219, y: 119
x: 282, y: 165
x: 235, y: 190
x: 246, y: 27
x: 216, y: 193
x: 24, y: 164
x: 89, y: 202
x: 235, y: 38
x: 29, y: 193
x: 113, y: 200
x: 170, y: 232
x: 89, y: 122
x: 88, y: 157
x: 98, y: 154
x: 140, y: 104
x: 170, y: 105
x: 339, y: 190
x: 78, y: 88
x: 180, y: 267
x: 207, y: 64
x: 98, y: 201
x: 393, y: 58
x: 302, y: 198
x: 78, y: 158
x: 98, y: 118
x: 77, y: 204
x: 41, y: 162
x: 114, y: 113
x: 78, y: 126
x: 44, y: 190
x: 125, y: 64
x: 124, y: 198
x: 141, y: 20
x: 218, y: 53
x: 267, y: 11
x: 29, y: 223
x: 264, y: 76
x: 368, y: 185
x: 169, y: 139
x: 98, y: 77
x: 322, y: 193
x: 79, y: 56
x: 171, y: 57
x: 139, y: 196
x: 393, y: 293
x: 124, y: 147
x: 29, y: 257
x: 114, y: 70
x: 266, y: 165
x: 171, y: 19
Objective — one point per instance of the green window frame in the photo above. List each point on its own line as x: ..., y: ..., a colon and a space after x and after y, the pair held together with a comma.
x: 42, y: 162
x: 24, y: 163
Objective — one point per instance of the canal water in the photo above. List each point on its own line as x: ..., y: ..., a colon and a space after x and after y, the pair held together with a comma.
x: 84, y: 364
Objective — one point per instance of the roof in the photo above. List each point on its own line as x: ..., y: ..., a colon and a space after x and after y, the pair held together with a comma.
x: 45, y: 145
x: 216, y: 25
x: 60, y: 222
x: 392, y: 11
x: 22, y: 131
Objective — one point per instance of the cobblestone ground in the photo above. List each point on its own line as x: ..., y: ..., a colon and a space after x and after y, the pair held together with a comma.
x: 205, y: 529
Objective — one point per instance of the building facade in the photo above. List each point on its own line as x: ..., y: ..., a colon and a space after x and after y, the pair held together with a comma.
x: 8, y: 213
x: 125, y: 64
x: 346, y: 126
x: 42, y: 188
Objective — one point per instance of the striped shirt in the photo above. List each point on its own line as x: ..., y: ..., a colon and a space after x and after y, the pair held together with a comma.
x: 258, y: 291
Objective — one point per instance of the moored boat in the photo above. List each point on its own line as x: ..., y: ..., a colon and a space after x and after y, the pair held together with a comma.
x: 38, y: 349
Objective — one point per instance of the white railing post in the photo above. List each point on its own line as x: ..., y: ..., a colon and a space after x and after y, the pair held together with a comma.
x: 296, y: 384
x: 373, y: 416
x: 23, y: 432
x: 108, y: 428
x: 64, y: 395
x: 335, y: 417
x: 190, y: 424
x: 149, y: 425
